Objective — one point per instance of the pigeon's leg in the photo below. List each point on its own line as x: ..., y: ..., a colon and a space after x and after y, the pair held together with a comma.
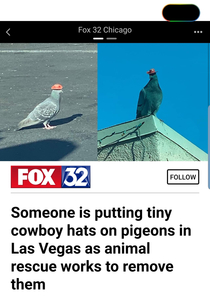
x: 48, y: 126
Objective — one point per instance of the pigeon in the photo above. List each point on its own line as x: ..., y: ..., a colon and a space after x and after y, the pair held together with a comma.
x: 44, y: 111
x: 150, y: 96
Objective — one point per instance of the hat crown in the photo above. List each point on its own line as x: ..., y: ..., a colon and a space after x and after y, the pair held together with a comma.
x: 151, y: 71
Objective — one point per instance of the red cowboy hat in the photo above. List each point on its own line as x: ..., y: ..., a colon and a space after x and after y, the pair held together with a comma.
x: 57, y: 86
x: 151, y: 71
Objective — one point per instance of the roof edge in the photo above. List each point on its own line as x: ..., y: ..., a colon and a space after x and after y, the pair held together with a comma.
x: 145, y: 126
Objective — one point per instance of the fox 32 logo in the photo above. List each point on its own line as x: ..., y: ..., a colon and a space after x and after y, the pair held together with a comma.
x: 75, y: 177
x: 50, y: 176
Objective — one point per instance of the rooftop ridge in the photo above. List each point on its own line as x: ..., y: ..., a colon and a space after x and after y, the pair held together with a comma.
x: 146, y: 126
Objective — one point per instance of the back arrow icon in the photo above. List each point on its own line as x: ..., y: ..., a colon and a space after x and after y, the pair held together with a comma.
x: 7, y: 31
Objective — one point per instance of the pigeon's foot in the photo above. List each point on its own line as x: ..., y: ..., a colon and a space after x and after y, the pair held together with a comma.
x: 48, y: 127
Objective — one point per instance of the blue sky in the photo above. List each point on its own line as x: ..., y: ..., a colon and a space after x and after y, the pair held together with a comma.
x: 183, y: 78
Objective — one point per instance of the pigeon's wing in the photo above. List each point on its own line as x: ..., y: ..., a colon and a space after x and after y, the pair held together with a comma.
x: 141, y: 103
x: 44, y: 111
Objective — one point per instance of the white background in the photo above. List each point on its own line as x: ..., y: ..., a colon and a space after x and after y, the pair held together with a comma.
x: 136, y: 185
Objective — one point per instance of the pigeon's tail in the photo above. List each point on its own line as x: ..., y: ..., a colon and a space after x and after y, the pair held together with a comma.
x: 26, y: 122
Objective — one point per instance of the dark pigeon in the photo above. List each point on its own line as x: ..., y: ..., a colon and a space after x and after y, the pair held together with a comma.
x: 45, y: 111
x: 150, y: 96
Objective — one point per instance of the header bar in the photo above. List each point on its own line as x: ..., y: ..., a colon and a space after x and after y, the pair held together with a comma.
x: 90, y: 32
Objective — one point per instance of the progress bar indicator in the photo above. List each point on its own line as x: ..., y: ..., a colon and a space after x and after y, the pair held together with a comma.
x: 98, y: 38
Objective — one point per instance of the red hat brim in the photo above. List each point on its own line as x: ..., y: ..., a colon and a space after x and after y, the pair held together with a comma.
x: 57, y: 86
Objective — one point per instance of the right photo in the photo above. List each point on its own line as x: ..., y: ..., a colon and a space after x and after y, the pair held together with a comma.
x: 153, y: 102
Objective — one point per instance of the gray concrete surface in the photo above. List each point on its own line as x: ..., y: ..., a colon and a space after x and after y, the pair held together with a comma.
x: 27, y: 72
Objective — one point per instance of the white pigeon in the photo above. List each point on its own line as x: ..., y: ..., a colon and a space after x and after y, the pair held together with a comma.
x: 45, y: 111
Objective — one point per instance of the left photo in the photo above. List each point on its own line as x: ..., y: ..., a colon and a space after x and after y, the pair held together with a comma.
x: 48, y: 102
